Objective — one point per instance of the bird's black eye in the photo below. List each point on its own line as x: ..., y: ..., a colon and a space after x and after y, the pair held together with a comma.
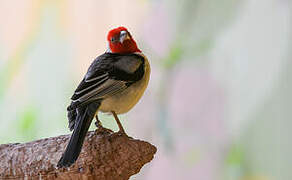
x: 113, y: 39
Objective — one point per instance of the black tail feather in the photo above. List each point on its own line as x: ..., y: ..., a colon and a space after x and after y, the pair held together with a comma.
x: 72, y: 118
x: 83, y: 120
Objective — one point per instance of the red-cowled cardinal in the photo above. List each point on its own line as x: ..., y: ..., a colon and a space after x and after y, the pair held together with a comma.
x: 114, y: 83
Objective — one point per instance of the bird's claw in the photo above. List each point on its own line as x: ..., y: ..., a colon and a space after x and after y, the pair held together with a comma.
x: 121, y: 133
x: 98, y: 124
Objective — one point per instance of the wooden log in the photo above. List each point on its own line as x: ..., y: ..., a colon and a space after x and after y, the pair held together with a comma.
x: 105, y: 155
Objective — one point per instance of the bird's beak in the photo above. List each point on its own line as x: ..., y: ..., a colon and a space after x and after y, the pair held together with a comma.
x: 124, y: 35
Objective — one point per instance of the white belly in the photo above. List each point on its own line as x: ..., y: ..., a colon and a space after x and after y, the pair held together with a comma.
x: 124, y: 101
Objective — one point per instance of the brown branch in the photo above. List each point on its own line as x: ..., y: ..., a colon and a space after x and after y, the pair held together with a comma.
x: 105, y: 155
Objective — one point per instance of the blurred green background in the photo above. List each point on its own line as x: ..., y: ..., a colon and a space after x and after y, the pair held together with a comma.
x: 219, y: 99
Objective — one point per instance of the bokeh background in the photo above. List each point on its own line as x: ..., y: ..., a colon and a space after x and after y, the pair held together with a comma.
x: 218, y: 106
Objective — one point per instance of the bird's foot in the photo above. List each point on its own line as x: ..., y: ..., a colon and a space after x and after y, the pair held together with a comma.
x: 100, y: 129
x: 121, y: 133
x: 98, y: 124
x: 103, y: 130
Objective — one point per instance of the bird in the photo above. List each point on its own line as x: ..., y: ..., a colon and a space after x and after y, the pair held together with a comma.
x: 114, y: 83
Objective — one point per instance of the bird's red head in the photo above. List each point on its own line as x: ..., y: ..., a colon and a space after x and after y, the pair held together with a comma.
x: 121, y: 41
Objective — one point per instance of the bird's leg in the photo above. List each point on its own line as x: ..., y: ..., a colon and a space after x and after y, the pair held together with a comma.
x: 119, y: 123
x: 97, y: 122
x: 100, y: 128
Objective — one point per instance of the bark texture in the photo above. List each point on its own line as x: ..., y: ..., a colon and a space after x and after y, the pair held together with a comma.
x: 105, y: 155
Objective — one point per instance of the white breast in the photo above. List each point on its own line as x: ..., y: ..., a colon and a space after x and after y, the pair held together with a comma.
x: 124, y: 101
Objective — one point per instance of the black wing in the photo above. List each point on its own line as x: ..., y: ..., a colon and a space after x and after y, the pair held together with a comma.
x: 107, y: 75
